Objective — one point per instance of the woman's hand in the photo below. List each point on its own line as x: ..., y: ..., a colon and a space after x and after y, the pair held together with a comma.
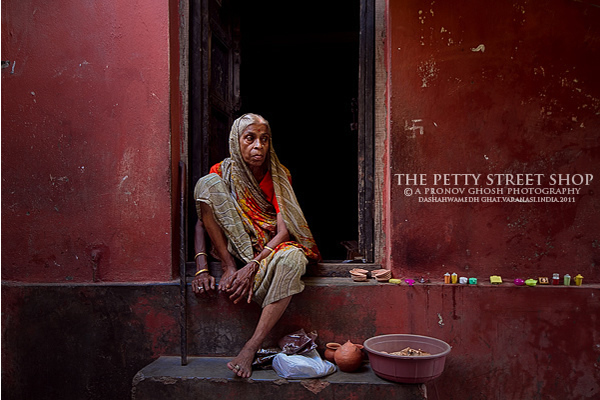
x: 239, y: 284
x: 203, y: 283
x: 227, y: 278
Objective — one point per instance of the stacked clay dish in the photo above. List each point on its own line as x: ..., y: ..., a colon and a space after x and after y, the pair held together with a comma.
x: 359, y: 274
x: 382, y: 275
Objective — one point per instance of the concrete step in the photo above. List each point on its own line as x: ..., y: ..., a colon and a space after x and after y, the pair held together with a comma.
x: 209, y: 378
x: 337, y: 308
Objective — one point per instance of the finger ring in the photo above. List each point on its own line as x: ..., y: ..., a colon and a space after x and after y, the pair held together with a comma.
x: 236, y: 367
x: 201, y: 288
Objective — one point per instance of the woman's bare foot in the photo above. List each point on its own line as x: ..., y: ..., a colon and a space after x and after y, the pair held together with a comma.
x: 242, y: 363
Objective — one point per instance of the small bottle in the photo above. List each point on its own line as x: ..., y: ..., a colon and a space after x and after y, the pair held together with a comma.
x: 454, y: 278
x: 567, y: 279
x: 555, y: 279
x: 447, y: 278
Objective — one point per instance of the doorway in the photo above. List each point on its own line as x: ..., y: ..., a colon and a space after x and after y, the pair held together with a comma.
x: 299, y: 69
x: 298, y: 66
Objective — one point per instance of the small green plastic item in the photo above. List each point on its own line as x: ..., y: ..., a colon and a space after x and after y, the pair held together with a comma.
x: 495, y: 279
x: 530, y: 282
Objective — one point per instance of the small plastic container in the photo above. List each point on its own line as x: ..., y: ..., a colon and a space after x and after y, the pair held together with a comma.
x: 578, y: 280
x: 454, y: 278
x: 447, y: 278
x: 555, y: 279
x: 567, y: 279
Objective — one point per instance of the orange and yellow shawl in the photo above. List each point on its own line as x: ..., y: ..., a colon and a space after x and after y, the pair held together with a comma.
x: 248, y: 215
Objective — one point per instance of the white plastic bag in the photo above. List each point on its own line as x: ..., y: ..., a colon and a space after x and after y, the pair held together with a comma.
x: 309, y: 365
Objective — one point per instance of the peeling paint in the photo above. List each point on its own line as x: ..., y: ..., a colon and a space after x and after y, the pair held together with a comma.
x: 54, y: 180
x: 123, y: 180
x: 428, y: 71
x: 314, y: 385
x: 167, y: 380
x: 218, y: 380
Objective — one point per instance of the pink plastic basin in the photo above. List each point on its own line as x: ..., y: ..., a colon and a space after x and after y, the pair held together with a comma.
x: 407, y: 369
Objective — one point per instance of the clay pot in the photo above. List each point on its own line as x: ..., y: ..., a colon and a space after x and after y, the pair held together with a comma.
x: 330, y: 351
x: 348, y: 357
x: 382, y: 275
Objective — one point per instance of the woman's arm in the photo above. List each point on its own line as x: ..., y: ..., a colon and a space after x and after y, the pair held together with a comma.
x: 203, y: 282
x: 281, y: 236
x: 241, y: 287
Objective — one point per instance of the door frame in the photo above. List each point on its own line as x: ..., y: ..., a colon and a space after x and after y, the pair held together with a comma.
x: 366, y: 130
x: 371, y: 126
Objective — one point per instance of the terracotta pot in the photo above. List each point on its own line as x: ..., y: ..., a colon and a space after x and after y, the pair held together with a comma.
x: 348, y: 357
x: 330, y: 351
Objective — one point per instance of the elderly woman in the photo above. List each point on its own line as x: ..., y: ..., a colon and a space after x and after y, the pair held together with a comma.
x: 248, y: 208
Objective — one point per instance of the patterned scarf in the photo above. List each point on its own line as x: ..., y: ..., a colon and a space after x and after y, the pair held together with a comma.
x: 259, y: 217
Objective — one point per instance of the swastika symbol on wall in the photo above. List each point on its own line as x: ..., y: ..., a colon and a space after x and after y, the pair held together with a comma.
x: 416, y: 126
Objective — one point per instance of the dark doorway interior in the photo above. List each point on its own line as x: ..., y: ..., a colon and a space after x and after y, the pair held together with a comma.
x: 299, y: 69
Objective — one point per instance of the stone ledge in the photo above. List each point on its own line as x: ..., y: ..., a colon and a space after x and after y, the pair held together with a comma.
x: 209, y: 378
x: 322, y: 269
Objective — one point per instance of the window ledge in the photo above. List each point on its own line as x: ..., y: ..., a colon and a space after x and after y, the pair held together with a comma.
x: 322, y: 269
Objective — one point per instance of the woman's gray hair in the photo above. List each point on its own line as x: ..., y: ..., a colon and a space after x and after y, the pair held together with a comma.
x: 250, y: 119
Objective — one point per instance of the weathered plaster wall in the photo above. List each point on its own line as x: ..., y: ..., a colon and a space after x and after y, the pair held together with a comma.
x: 88, y: 341
x: 489, y: 88
x: 83, y: 341
x: 85, y: 141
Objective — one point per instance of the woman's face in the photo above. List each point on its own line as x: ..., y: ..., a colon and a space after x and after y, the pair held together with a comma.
x: 254, y: 144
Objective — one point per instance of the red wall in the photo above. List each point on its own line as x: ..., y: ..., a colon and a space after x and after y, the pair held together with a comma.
x: 85, y: 141
x: 525, y: 102
x: 86, y: 179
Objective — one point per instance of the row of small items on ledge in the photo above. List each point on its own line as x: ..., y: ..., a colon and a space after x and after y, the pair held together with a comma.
x: 542, y: 280
x: 383, y: 275
x: 496, y: 280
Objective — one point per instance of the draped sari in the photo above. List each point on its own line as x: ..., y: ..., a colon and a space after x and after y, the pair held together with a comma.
x: 249, y: 220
